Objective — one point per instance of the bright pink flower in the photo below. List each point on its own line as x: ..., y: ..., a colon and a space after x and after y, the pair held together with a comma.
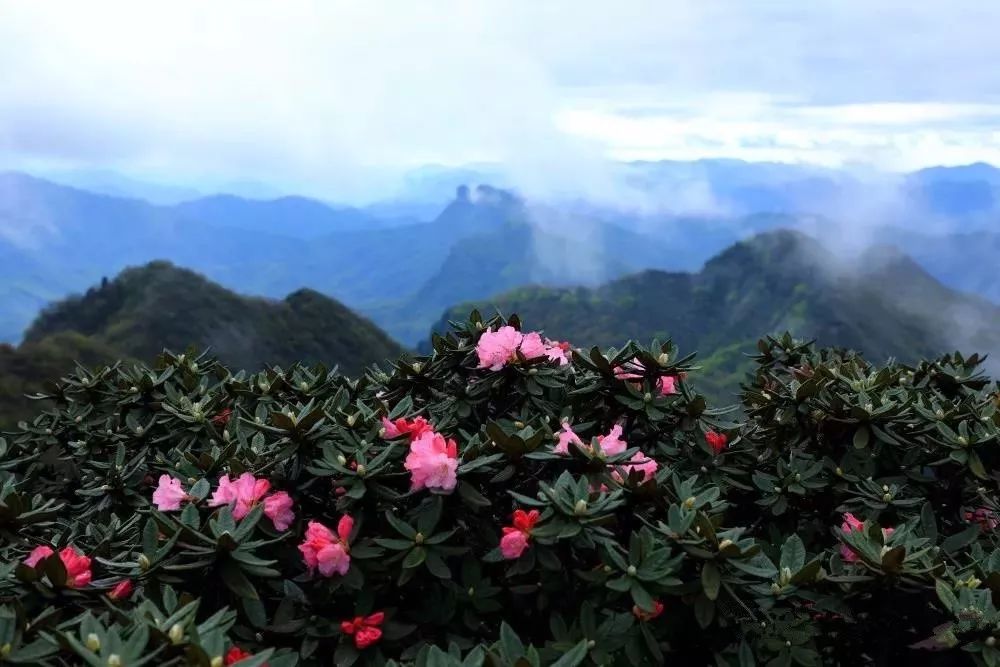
x: 122, y: 590
x: 278, y: 508
x: 612, y: 443
x: 497, y: 348
x: 667, y: 385
x: 77, y: 566
x: 516, y: 537
x: 38, y: 554
x: 716, y: 441
x: 169, y: 494
x: 245, y: 491
x: 414, y: 429
x: 326, y: 551
x: 236, y: 654
x: 432, y: 462
x: 532, y: 346
x: 639, y: 463
x: 566, y: 436
x: 365, y: 629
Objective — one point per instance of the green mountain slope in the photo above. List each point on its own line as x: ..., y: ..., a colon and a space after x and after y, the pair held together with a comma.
x: 883, y: 304
x: 159, y: 305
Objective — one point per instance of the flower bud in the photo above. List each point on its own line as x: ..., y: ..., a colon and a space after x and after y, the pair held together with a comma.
x: 664, y: 358
x: 471, y: 591
x: 725, y: 544
x: 519, y: 425
x: 591, y: 643
x: 689, y: 503
x: 962, y: 440
x: 176, y: 633
x: 216, y: 661
x: 775, y: 589
x: 361, y: 469
x: 647, y: 397
x: 93, y: 642
x: 887, y: 497
x: 991, y: 641
x: 631, y: 571
x: 606, y: 569
x: 144, y: 562
x: 418, y: 538
x: 785, y: 576
x: 580, y: 507
x: 416, y: 366
x: 114, y: 660
x: 351, y: 419
x: 341, y: 459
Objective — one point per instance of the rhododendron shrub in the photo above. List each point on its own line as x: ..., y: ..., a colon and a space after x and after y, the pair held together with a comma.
x: 507, y: 500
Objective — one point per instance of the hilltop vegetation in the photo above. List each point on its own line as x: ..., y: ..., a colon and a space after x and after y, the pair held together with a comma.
x: 146, y: 309
x: 506, y: 502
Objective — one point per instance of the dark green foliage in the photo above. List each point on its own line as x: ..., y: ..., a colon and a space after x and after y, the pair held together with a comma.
x: 159, y: 305
x: 882, y: 304
x: 743, y: 548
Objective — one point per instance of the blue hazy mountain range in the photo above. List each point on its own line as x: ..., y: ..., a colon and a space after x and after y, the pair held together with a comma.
x: 434, y: 243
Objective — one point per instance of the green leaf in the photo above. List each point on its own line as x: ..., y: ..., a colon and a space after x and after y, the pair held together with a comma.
x: 953, y: 543
x: 237, y: 582
x: 573, y: 657
x: 710, y: 580
x: 793, y: 554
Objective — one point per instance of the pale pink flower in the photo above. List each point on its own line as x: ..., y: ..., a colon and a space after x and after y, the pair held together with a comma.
x: 612, y: 444
x: 432, y: 463
x: 532, y: 346
x: 630, y: 370
x: 169, y: 494
x: 245, y: 491
x: 225, y: 494
x: 497, y: 348
x: 278, y: 508
x: 326, y: 551
x: 40, y: 552
x: 556, y: 351
x: 640, y: 463
x: 667, y: 385
x: 515, y: 537
x: 566, y: 436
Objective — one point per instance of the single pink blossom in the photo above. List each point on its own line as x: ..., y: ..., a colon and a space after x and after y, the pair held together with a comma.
x: 566, y: 436
x: 326, y: 551
x: 432, y: 462
x: 278, y: 508
x: 225, y: 494
x: 414, y: 429
x: 667, y: 385
x: 37, y: 554
x: 513, y: 544
x: 516, y: 537
x: 557, y: 351
x: 77, y: 566
x: 612, y: 444
x: 122, y: 590
x: 169, y: 494
x: 630, y: 370
x: 532, y: 346
x: 497, y: 348
x: 639, y: 463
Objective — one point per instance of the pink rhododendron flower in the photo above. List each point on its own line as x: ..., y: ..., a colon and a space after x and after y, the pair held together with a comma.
x: 365, y: 629
x: 639, y: 463
x: 612, y: 443
x: 532, y: 346
x: 516, y: 537
x: 37, y: 555
x: 278, y: 508
x: 432, y: 463
x: 414, y: 429
x: 122, y: 590
x: 566, y: 436
x: 326, y: 551
x: 245, y: 491
x: 497, y: 348
x: 556, y: 351
x: 169, y: 494
x: 986, y: 519
x: 667, y: 385
x: 716, y: 441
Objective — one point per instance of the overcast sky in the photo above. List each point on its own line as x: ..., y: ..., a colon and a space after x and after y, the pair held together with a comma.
x: 332, y: 92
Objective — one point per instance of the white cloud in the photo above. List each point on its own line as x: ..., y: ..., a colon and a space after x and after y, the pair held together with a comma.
x: 339, y: 96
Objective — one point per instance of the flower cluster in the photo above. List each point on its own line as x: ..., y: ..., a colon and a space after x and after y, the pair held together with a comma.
x: 496, y: 349
x: 242, y: 493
